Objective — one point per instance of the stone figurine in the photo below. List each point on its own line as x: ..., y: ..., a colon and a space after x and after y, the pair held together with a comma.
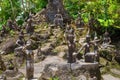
x: 79, y: 22
x: 88, y: 55
x: 3, y: 31
x: 86, y: 46
x: 21, y: 41
x: 106, y: 40
x: 71, y: 46
x: 29, y: 60
x: 10, y: 24
x: 68, y: 28
x: 19, y: 53
x: 30, y: 26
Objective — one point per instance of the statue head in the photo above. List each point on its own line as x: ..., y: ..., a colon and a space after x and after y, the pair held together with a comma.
x: 68, y: 27
x: 58, y: 10
x: 106, y: 34
x: 79, y: 14
x: 72, y: 31
x: 87, y: 38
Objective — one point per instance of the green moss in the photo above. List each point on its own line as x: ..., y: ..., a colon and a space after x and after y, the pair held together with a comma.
x: 1, y: 72
x: 54, y: 78
x: 8, y: 57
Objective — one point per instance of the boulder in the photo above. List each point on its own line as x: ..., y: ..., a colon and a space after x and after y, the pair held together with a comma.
x: 46, y: 50
x: 12, y: 75
x: 66, y: 71
x: 8, y: 47
x: 117, y: 56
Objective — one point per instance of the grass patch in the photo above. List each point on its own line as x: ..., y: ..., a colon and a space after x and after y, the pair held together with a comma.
x: 8, y: 57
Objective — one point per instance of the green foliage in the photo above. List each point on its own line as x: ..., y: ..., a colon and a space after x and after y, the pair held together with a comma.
x: 54, y: 78
x: 19, y: 9
x: 12, y: 33
x: 107, y: 12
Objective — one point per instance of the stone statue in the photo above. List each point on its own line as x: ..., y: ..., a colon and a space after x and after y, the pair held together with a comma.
x: 71, y: 46
x: 29, y: 60
x: 88, y: 54
x: 3, y: 77
x: 96, y: 49
x: 58, y: 20
x: 19, y: 53
x: 21, y: 41
x: 10, y: 24
x: 68, y: 28
x: 52, y: 9
x: 106, y: 40
x: 3, y: 31
x: 79, y: 22
x: 15, y: 26
x: 86, y: 46
x: 30, y: 26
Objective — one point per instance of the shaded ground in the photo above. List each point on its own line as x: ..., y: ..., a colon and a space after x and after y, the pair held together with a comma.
x: 109, y: 77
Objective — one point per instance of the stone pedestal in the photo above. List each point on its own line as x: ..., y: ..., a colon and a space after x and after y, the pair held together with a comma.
x: 76, y: 71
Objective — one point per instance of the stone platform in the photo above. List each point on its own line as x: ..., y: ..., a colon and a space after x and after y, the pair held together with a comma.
x: 66, y: 71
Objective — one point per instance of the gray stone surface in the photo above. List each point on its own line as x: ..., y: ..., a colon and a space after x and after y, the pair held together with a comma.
x: 55, y: 66
x: 66, y: 71
x: 109, y: 77
x: 8, y: 47
x: 12, y: 75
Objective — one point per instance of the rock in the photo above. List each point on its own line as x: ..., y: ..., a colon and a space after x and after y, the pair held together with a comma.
x: 62, y: 54
x: 65, y: 71
x: 8, y: 47
x: 46, y: 50
x: 108, y: 55
x: 38, y: 56
x: 2, y: 77
x: 44, y: 36
x: 115, y: 71
x: 117, y: 56
x: 12, y: 75
x: 109, y: 77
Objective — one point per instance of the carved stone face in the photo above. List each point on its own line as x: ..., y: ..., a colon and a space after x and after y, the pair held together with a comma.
x: 56, y: 2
